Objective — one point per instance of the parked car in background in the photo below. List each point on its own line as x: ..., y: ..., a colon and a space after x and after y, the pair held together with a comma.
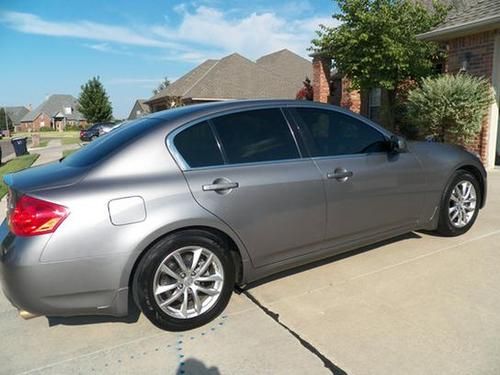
x: 114, y: 127
x: 175, y: 209
x: 95, y: 131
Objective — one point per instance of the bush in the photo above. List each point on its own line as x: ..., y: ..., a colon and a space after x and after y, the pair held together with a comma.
x: 451, y: 108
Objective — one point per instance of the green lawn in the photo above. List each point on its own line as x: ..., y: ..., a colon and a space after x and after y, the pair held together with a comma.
x: 68, y: 152
x: 14, y: 165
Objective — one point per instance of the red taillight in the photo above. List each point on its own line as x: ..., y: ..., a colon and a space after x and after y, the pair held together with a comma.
x: 32, y: 216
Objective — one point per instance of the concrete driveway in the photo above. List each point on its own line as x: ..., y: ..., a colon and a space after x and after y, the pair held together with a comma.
x: 416, y: 305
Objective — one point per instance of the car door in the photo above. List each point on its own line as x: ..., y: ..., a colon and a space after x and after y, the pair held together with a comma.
x: 246, y: 169
x: 370, y: 191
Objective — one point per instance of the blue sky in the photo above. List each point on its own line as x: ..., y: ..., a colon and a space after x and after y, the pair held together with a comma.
x: 54, y: 46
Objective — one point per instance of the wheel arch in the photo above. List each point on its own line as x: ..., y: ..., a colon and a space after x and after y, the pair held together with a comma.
x: 234, y: 246
x: 480, y: 178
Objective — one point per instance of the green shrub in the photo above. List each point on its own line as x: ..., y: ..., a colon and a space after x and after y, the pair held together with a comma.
x: 450, y: 108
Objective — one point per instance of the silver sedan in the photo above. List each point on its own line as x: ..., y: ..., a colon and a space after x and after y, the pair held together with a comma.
x: 176, y: 209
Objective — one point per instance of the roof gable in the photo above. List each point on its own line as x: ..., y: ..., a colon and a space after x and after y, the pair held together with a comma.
x: 277, y: 75
x: 54, y: 104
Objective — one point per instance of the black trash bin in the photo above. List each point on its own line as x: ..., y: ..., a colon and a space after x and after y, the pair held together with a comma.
x: 19, y: 144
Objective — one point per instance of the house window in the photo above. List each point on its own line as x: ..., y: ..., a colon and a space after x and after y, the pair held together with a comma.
x: 374, y: 104
x: 68, y: 110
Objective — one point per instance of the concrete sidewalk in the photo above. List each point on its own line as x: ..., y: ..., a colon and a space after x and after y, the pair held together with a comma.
x: 418, y: 304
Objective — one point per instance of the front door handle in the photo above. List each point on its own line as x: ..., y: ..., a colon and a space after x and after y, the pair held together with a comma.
x: 340, y: 174
x: 220, y: 185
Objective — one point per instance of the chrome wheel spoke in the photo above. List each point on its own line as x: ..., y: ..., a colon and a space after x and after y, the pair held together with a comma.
x: 184, y: 305
x: 196, y: 299
x: 214, y: 277
x: 462, y: 204
x: 180, y: 262
x: 173, y: 298
x: 160, y: 289
x: 208, y: 292
x: 165, y: 269
x: 205, y: 266
x: 196, y: 258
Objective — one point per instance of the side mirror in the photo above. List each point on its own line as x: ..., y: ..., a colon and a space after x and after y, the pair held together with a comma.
x: 397, y: 144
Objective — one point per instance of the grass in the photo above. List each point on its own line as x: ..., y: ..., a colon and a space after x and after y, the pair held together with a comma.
x: 68, y: 152
x: 14, y: 165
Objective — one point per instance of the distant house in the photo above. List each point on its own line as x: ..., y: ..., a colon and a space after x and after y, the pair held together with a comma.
x: 15, y: 114
x: 471, y: 35
x: 278, y: 75
x: 139, y: 109
x: 56, y: 112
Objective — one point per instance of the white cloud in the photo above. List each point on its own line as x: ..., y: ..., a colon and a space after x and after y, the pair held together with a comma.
x: 204, y: 32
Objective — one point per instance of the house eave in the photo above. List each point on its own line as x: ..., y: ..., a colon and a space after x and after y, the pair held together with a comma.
x: 455, y: 31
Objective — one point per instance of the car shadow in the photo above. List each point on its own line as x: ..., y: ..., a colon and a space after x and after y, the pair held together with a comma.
x: 132, y: 317
x: 194, y: 366
x: 334, y: 258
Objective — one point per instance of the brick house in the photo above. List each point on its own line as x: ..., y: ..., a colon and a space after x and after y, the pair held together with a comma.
x: 472, y: 40
x: 15, y: 114
x: 56, y: 112
x: 278, y: 75
x: 471, y: 35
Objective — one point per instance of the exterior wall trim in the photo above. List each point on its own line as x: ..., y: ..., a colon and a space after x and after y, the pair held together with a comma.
x: 494, y: 121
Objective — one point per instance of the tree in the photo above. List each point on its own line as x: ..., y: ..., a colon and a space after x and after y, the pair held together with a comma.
x: 451, y: 108
x: 306, y: 92
x: 94, y: 102
x: 3, y: 118
x: 162, y: 86
x: 375, y: 44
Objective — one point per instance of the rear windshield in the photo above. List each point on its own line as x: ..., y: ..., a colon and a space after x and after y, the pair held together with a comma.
x: 109, y: 143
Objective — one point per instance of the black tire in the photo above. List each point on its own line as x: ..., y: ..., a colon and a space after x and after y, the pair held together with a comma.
x: 93, y: 138
x: 144, y: 278
x: 445, y: 226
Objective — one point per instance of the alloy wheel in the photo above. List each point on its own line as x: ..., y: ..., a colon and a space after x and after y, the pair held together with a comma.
x: 462, y: 204
x: 188, y: 282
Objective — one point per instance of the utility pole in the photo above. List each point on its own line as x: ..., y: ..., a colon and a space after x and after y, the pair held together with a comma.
x: 7, y: 133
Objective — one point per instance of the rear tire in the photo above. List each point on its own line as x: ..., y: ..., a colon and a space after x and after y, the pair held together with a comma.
x: 177, y: 297
x: 459, y: 205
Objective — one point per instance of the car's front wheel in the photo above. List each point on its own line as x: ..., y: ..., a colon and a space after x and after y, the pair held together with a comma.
x: 459, y: 205
x: 185, y: 280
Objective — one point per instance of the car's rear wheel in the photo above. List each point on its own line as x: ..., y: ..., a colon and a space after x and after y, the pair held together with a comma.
x: 185, y: 280
x: 459, y: 205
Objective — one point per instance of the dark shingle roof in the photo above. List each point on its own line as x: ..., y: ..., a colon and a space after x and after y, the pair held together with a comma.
x: 55, y: 104
x: 16, y: 113
x: 278, y: 75
x: 288, y: 65
x: 474, y: 16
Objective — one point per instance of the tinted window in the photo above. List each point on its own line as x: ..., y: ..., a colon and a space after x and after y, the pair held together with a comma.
x: 104, y: 146
x: 198, y: 147
x: 333, y: 133
x: 255, y: 136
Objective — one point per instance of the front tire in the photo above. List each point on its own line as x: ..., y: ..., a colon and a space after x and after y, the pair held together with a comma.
x: 185, y: 280
x: 459, y: 205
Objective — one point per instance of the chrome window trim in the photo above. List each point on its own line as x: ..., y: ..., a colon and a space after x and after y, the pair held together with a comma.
x: 184, y: 166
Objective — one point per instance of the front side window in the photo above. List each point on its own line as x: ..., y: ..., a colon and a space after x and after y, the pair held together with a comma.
x: 333, y: 133
x: 198, y: 147
x: 255, y: 136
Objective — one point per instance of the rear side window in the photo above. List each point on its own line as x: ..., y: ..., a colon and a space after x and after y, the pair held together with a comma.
x: 255, y: 136
x: 108, y: 144
x: 198, y: 147
x: 333, y: 133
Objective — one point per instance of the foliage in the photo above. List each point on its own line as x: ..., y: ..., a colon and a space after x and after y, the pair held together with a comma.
x: 3, y: 118
x: 94, y: 102
x: 450, y: 107
x: 15, y: 165
x: 162, y: 86
x: 306, y: 92
x: 375, y: 44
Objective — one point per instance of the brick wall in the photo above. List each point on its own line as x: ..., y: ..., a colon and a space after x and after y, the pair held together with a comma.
x: 477, y: 50
x: 321, y: 79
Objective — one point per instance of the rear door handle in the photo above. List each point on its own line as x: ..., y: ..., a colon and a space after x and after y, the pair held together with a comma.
x: 218, y: 186
x: 340, y: 174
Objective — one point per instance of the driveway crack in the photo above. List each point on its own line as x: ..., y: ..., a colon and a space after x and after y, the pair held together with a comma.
x: 332, y: 367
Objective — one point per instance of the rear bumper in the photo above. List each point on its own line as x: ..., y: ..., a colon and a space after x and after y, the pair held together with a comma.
x: 76, y: 287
